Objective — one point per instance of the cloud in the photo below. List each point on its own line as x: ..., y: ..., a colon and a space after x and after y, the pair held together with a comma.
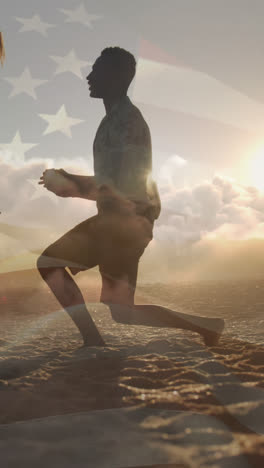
x: 46, y: 217
x: 220, y: 208
x: 168, y: 171
x: 21, y: 206
x: 214, y: 259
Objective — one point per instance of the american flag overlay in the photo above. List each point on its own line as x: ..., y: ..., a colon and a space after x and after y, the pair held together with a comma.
x: 48, y: 113
x: 202, y: 98
x: 150, y: 397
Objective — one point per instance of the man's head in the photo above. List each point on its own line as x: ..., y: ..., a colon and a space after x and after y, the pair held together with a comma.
x: 112, y: 73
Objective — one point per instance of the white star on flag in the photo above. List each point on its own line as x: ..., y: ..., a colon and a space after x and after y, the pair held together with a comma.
x: 16, y: 149
x: 34, y: 24
x: 41, y: 191
x: 69, y: 63
x: 80, y: 15
x: 24, y: 84
x: 60, y: 122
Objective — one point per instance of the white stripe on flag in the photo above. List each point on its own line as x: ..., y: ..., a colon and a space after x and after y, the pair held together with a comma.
x: 190, y: 91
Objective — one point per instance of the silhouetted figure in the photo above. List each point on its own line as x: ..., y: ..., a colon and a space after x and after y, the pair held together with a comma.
x: 128, y: 204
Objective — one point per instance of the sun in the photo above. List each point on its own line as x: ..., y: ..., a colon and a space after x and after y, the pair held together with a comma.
x: 256, y: 168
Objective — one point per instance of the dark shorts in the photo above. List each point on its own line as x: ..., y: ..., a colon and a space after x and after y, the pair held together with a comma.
x: 113, y: 242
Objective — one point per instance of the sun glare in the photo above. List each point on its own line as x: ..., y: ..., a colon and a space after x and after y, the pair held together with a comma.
x: 256, y: 168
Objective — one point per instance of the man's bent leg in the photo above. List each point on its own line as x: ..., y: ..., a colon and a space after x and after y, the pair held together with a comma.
x: 157, y: 316
x: 209, y: 328
x: 119, y: 284
x: 117, y: 290
x: 69, y: 296
x: 123, y: 265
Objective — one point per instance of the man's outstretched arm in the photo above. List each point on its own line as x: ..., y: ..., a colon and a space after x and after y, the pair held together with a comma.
x: 64, y: 184
x: 102, y: 190
x: 86, y: 186
x: 90, y: 187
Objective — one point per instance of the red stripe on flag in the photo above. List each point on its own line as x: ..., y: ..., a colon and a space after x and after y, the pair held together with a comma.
x: 150, y: 51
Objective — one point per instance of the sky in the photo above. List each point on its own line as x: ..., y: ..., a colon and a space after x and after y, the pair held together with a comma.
x: 199, y: 86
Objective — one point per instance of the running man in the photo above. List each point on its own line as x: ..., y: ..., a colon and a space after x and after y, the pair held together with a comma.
x: 128, y: 204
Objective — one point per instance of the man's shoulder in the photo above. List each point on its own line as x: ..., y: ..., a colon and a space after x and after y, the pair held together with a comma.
x: 130, y: 119
x: 133, y: 112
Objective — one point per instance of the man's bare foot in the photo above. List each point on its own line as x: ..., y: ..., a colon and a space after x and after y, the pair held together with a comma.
x: 211, y: 336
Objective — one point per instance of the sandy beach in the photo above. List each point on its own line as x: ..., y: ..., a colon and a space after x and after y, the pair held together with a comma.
x: 195, y: 406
